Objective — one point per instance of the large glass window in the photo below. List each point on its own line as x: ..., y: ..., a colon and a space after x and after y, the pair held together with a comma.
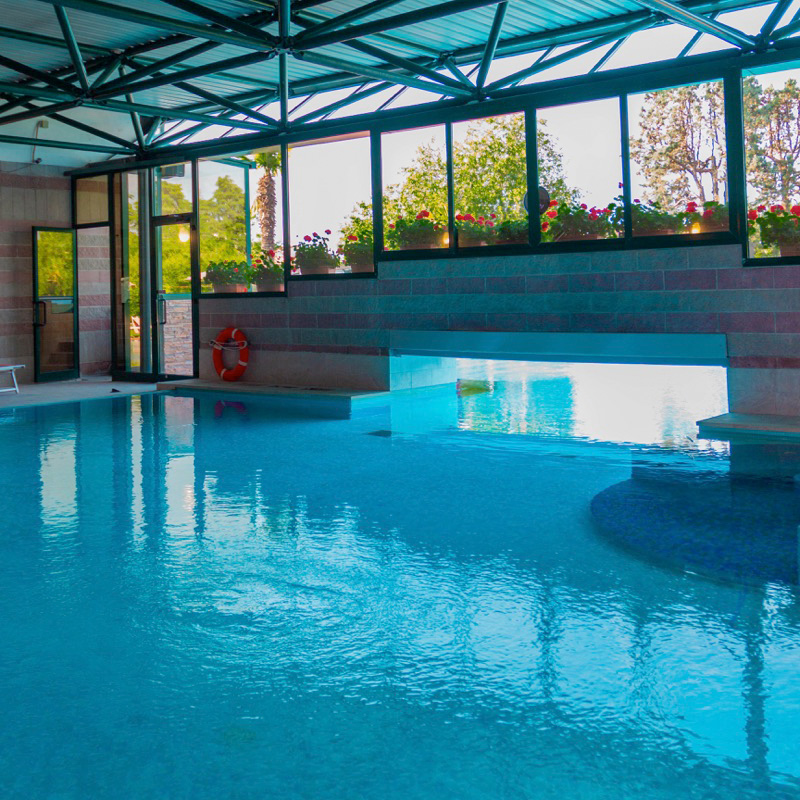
x: 330, y: 201
x: 772, y: 146
x: 490, y: 181
x: 239, y: 223
x: 91, y: 200
x: 414, y: 165
x: 679, y: 178
x: 580, y: 166
x: 172, y: 189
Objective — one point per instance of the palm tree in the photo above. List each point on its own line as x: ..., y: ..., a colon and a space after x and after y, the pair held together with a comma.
x: 266, y: 201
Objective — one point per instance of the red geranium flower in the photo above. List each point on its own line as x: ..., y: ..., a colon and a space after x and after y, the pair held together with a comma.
x: 752, y: 214
x: 795, y: 210
x: 460, y: 217
x: 272, y: 253
x: 307, y: 238
x: 391, y: 225
x: 761, y: 208
x: 490, y: 224
x: 493, y: 216
x: 352, y: 238
x: 553, y: 203
x: 584, y: 206
x: 709, y: 212
x: 691, y: 207
x: 545, y: 226
x: 423, y: 214
x: 552, y: 214
x: 236, y: 269
x: 469, y: 218
x: 327, y: 231
x: 637, y: 200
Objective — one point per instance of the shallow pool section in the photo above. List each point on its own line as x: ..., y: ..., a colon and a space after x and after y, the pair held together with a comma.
x: 214, y: 601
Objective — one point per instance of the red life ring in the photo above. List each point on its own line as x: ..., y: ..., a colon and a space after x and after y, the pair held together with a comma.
x: 223, y: 341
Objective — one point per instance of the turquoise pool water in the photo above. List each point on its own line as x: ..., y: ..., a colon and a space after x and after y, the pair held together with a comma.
x: 481, y: 593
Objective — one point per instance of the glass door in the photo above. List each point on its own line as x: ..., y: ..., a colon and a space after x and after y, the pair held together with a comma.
x: 174, y: 311
x: 55, y: 304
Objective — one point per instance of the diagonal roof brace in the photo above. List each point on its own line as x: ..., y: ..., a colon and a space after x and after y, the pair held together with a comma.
x: 690, y: 19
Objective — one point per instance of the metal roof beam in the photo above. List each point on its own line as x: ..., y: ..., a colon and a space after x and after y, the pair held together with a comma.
x: 788, y: 30
x: 381, y: 74
x: 171, y: 113
x: 237, y: 108
x: 72, y: 46
x: 129, y: 14
x: 231, y: 23
x: 603, y: 60
x: 49, y: 41
x: 456, y: 72
x: 120, y: 87
x: 73, y: 123
x: 37, y: 111
x: 773, y: 19
x: 306, y: 42
x: 406, y: 64
x: 92, y: 148
x: 491, y: 44
x: 163, y: 63
x: 688, y: 18
x: 343, y: 103
x: 540, y: 65
x: 38, y: 75
x: 334, y: 23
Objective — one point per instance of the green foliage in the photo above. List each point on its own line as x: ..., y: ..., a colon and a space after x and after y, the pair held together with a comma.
x: 489, y: 168
x: 772, y: 138
x: 314, y: 251
x: 265, y: 266
x: 681, y: 150
x: 776, y: 226
x: 55, y: 263
x: 651, y: 218
x: 222, y: 224
x: 567, y: 220
x: 228, y: 272
x: 420, y: 231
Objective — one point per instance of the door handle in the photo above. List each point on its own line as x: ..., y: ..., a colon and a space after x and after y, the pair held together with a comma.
x: 39, y: 319
x: 162, y: 305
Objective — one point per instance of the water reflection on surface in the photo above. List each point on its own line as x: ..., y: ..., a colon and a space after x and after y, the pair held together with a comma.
x: 229, y: 601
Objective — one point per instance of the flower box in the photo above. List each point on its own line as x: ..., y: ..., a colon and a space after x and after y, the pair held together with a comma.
x: 231, y: 288
x: 269, y: 285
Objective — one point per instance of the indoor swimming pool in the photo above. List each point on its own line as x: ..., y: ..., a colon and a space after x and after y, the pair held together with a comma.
x: 533, y: 584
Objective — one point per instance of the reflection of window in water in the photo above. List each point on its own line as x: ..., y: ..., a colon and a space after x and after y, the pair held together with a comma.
x: 644, y: 404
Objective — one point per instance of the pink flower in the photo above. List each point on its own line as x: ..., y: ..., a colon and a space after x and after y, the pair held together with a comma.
x: 493, y: 216
x: 490, y: 224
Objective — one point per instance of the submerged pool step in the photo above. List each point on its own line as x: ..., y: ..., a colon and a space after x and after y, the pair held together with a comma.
x: 760, y: 425
x: 337, y: 403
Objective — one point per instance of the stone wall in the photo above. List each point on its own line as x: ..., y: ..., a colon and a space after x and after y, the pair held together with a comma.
x: 336, y: 333
x: 177, y: 331
x: 29, y: 195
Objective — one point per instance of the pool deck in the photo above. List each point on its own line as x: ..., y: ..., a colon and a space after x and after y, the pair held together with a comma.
x: 759, y: 425
x: 44, y: 394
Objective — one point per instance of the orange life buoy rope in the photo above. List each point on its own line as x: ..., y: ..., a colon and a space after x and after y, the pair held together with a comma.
x: 230, y: 339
